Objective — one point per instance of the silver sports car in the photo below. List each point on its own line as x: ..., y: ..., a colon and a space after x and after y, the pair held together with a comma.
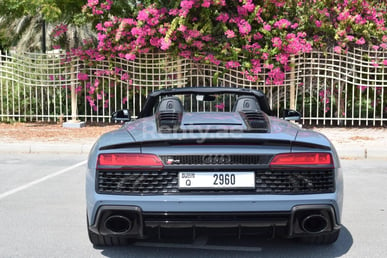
x: 212, y: 158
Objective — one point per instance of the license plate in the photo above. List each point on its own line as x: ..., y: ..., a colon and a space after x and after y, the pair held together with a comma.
x: 216, y: 180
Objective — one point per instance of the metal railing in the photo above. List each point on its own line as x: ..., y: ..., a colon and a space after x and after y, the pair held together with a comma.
x: 327, y: 88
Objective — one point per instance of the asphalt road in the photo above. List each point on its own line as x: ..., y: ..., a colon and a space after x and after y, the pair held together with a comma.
x: 42, y: 211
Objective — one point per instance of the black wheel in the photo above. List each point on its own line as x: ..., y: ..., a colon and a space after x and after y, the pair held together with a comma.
x: 99, y: 240
x: 325, y: 239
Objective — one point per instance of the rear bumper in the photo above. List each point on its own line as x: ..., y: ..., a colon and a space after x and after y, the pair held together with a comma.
x: 133, y: 222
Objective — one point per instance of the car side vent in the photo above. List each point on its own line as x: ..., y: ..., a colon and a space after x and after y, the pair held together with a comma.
x: 169, y: 114
x: 256, y: 120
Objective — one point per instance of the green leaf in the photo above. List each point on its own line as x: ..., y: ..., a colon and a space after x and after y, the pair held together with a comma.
x: 215, y: 78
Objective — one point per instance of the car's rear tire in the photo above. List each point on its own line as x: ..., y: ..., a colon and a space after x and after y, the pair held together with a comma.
x: 325, y: 239
x: 99, y: 240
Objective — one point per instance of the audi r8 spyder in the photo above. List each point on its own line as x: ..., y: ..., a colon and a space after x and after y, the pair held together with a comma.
x: 212, y: 158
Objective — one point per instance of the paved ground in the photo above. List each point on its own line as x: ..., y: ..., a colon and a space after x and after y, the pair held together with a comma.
x: 42, y: 211
x: 351, y: 143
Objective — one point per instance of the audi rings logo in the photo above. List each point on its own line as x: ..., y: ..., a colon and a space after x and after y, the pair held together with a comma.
x: 216, y: 159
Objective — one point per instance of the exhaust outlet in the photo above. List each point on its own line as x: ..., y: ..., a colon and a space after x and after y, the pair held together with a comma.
x: 315, y: 223
x: 118, y: 224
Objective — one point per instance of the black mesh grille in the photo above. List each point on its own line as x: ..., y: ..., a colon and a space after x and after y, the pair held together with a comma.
x: 136, y: 182
x: 216, y: 159
x: 168, y: 119
x: 256, y: 120
x: 164, y: 182
x: 294, y: 182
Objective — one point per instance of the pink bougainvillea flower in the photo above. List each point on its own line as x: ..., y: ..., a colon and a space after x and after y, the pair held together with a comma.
x: 294, y: 26
x: 136, y: 31
x: 242, y: 12
x: 194, y: 33
x: 182, y: 28
x: 316, y: 38
x: 362, y: 88
x: 343, y: 16
x: 268, y: 66
x: 125, y: 77
x: 232, y: 64
x: 206, y: 3
x: 78, y: 89
x: 186, y: 54
x: 249, y: 6
x: 337, y: 49
x: 142, y: 15
x: 257, y: 36
x: 223, y: 17
x: 83, y: 76
x: 318, y: 24
x: 277, y: 42
x: 244, y: 27
x: 230, y: 34
x: 130, y: 56
x: 360, y: 20
x: 279, y: 3
x: 220, y: 106
x: 198, y: 44
x: 155, y: 42
x: 360, y: 41
x: 341, y: 33
x: 282, y: 58
x: 186, y: 4
x: 108, y: 24
x: 212, y: 59
x: 267, y: 27
x: 173, y: 12
x: 265, y: 35
x: 276, y: 76
x: 207, y: 38
x: 375, y: 47
x: 221, y: 2
x: 282, y: 24
x: 165, y: 43
x: 96, y: 83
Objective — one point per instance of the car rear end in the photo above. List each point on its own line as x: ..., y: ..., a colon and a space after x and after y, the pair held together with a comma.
x: 244, y: 183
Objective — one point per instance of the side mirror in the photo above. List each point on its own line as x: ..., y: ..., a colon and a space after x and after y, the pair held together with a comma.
x: 291, y: 115
x: 121, y: 115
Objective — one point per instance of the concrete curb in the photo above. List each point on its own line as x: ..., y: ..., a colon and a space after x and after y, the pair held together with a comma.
x: 361, y: 152
x: 45, y: 148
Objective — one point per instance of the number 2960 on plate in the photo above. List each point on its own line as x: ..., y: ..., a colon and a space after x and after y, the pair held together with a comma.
x: 217, y: 180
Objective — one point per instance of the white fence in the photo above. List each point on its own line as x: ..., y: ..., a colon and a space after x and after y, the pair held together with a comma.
x: 327, y: 88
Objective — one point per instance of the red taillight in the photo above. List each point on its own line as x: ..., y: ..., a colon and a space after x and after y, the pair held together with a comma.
x: 303, y: 159
x: 129, y: 160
